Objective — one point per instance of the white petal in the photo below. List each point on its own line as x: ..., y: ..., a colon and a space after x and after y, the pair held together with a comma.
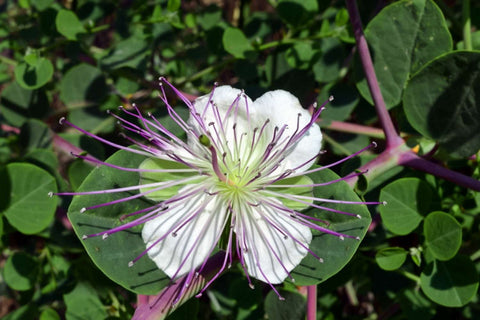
x: 270, y: 253
x: 223, y: 98
x: 177, y: 255
x: 230, y: 108
x: 281, y: 107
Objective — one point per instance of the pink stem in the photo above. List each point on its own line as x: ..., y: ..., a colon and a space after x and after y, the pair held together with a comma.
x: 312, y: 302
x: 353, y: 128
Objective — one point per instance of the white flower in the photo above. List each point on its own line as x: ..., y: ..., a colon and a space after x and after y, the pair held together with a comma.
x: 251, y: 145
x: 238, y: 184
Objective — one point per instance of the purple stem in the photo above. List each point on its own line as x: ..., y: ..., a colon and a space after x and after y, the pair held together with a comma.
x: 312, y: 302
x: 412, y: 160
x: 391, y: 135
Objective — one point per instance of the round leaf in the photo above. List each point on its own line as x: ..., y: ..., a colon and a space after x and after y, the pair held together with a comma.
x: 113, y: 254
x: 329, y: 65
x: 297, y: 12
x: 391, y: 258
x: 30, y: 209
x: 450, y: 283
x: 83, y: 303
x: 335, y: 252
x: 235, y: 43
x: 33, y: 76
x: 49, y: 314
x: 443, y: 235
x: 407, y: 199
x: 68, y: 24
x: 20, y: 271
x: 441, y: 102
x: 18, y: 104
x: 82, y: 85
x: 403, y: 37
x: 131, y: 52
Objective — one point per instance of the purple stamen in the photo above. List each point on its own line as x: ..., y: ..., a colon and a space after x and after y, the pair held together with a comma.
x: 370, y: 146
x: 139, y: 195
x: 94, y: 160
x: 63, y: 120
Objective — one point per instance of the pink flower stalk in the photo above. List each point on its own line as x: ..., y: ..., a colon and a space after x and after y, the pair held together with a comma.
x: 239, y: 180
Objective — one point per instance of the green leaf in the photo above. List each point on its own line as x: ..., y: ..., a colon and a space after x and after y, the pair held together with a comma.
x: 77, y: 172
x: 335, y: 252
x: 235, y: 43
x: 443, y: 235
x: 330, y: 64
x: 407, y: 200
x: 404, y: 36
x: 451, y: 283
x: 345, y: 99
x: 27, y: 312
x: 391, y: 258
x: 35, y: 134
x: 131, y: 52
x: 292, y: 308
x: 441, y: 102
x: 302, y: 55
x: 44, y: 158
x: 42, y: 4
x: 173, y: 5
x: 297, y: 12
x: 30, y: 209
x: 18, y: 104
x: 34, y: 76
x: 49, y: 314
x: 68, y: 24
x: 82, y: 85
x: 415, y: 305
x: 20, y: 271
x: 113, y: 254
x: 83, y: 303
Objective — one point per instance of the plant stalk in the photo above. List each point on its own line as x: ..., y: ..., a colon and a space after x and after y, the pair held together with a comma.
x: 312, y: 302
x: 391, y: 135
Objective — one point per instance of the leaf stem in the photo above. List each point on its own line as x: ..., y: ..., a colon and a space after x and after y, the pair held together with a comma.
x: 391, y: 135
x: 203, y: 72
x: 467, y: 27
x: 8, y: 60
x: 409, y: 275
x: 351, y: 293
x: 312, y: 302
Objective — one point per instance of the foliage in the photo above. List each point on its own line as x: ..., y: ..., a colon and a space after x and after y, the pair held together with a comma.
x: 421, y: 255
